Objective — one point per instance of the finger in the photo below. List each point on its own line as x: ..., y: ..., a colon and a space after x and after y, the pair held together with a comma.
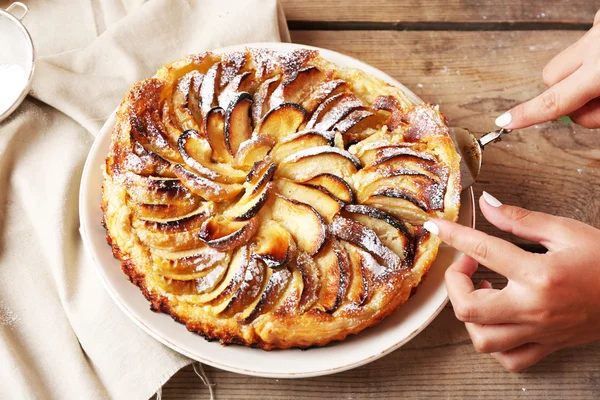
x: 531, y: 225
x: 484, y: 306
x: 565, y: 63
x: 499, y: 337
x: 588, y: 116
x: 497, y: 254
x: 597, y: 18
x: 523, y: 356
x: 484, y: 285
x: 566, y: 96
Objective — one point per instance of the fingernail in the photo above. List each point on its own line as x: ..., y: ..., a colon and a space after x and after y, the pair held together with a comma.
x: 491, y: 200
x: 431, y: 227
x: 503, y: 120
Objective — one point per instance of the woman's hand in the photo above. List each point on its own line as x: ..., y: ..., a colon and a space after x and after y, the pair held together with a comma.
x: 551, y: 301
x: 573, y: 79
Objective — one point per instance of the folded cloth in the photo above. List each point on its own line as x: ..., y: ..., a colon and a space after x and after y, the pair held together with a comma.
x: 61, y: 335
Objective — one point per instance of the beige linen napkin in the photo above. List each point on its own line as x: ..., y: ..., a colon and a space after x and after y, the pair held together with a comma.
x: 61, y: 336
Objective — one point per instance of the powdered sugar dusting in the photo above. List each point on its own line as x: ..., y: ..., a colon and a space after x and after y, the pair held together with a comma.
x: 209, y: 280
x: 369, y: 262
x: 319, y: 150
x: 339, y: 111
x: 231, y: 65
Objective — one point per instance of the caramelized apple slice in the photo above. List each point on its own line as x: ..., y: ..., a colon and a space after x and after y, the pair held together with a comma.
x: 214, y: 128
x: 249, y: 205
x: 155, y: 190
x: 334, y: 279
x: 196, y: 153
x: 322, y: 202
x: 189, y: 264
x: 175, y: 235
x: 274, y: 244
x: 232, y: 280
x: 304, y: 223
x: 392, y: 232
x: 240, y: 83
x: 185, y: 100
x: 419, y: 189
x: 306, y: 164
x: 260, y: 174
x: 311, y: 277
x: 351, y: 120
x: 209, y: 87
x: 224, y: 234
x: 400, y: 204
x: 282, y: 120
x: 206, y: 188
x: 358, y: 286
x: 261, y: 99
x: 370, y: 155
x: 150, y: 132
x: 197, y: 286
x: 333, y: 185
x: 359, y: 235
x: 278, y: 281
x: 238, y: 126
x: 253, y: 150
x: 333, y: 110
x: 297, y: 87
x: 247, y: 292
x: 322, y: 92
x: 163, y: 212
x: 300, y: 141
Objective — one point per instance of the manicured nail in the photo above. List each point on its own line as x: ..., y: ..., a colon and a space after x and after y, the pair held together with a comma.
x: 491, y: 200
x: 503, y: 120
x: 431, y: 227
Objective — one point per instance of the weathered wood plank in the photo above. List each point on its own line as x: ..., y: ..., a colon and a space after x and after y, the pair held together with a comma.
x: 482, y: 11
x: 475, y: 76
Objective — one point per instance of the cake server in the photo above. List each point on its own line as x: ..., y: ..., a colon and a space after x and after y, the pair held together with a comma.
x: 471, y: 152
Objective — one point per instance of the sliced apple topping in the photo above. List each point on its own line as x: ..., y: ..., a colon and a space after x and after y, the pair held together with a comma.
x: 358, y: 286
x: 332, y: 110
x: 399, y: 203
x: 189, y: 264
x: 274, y: 245
x: 297, y: 87
x: 311, y: 278
x: 249, y: 205
x: 334, y: 185
x: 397, y: 116
x: 260, y: 174
x: 197, y: 286
x: 182, y: 235
x: 224, y: 234
x: 162, y: 212
x: 156, y: 190
x: 196, y: 153
x: 303, y: 222
x: 306, y: 164
x: 185, y: 100
x: 253, y: 150
x: 149, y: 131
x: 300, y: 141
x: 334, y: 279
x: 278, y: 281
x: 322, y: 202
x: 247, y: 292
x: 214, y: 128
x: 209, y: 88
x: 238, y: 125
x: 206, y: 188
x: 351, y: 120
x: 417, y: 189
x: 261, y: 99
x: 232, y: 280
x: 356, y: 233
x: 322, y: 92
x: 393, y: 233
x: 282, y: 120
x: 240, y: 83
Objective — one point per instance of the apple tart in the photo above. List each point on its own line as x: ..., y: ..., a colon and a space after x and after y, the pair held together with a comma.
x: 274, y: 199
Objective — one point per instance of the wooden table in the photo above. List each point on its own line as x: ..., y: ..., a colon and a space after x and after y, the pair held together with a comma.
x: 476, y: 59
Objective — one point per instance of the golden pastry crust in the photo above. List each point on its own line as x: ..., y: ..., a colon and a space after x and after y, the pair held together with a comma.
x: 274, y: 199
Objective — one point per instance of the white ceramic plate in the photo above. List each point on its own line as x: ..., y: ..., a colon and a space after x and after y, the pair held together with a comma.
x: 371, y: 344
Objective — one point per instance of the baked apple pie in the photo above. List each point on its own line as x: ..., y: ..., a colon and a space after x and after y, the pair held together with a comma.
x: 274, y: 199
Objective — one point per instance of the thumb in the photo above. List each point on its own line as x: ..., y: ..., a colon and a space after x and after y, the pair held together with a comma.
x: 550, y: 231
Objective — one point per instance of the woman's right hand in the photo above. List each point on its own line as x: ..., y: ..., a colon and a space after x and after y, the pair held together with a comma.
x: 573, y: 80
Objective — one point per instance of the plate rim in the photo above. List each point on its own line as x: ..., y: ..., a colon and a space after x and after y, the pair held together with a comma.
x: 88, y: 245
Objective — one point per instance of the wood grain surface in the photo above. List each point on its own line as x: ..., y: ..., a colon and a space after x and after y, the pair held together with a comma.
x: 555, y: 168
x: 451, y: 11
